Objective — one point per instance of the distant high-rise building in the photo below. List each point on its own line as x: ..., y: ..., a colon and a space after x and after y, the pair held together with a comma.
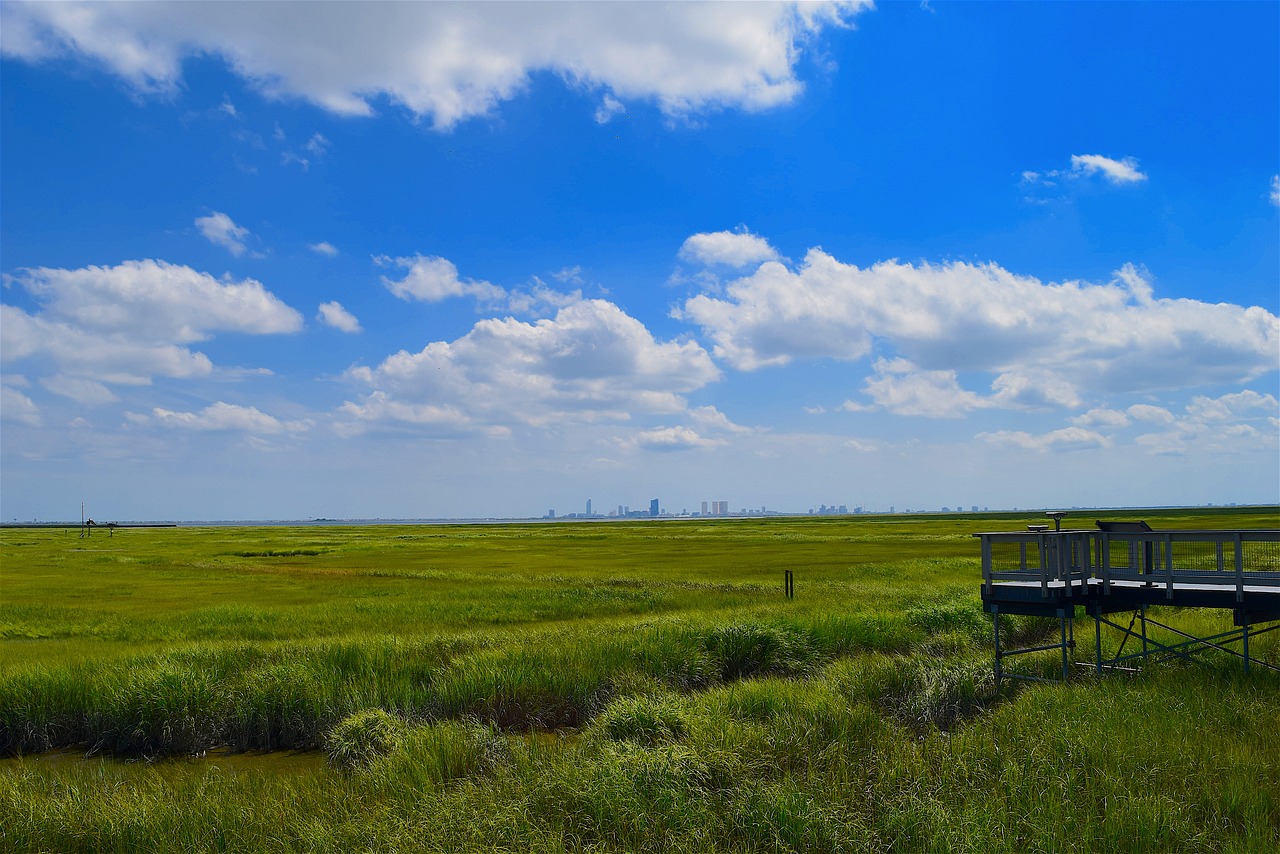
x: 551, y: 514
x: 588, y: 506
x: 704, y: 508
x: 719, y: 508
x: 653, y: 507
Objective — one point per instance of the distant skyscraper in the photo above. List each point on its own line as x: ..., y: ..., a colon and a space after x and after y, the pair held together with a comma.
x: 704, y: 508
x: 653, y: 507
x: 588, y: 506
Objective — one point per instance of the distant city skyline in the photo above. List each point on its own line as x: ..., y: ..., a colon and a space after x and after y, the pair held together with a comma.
x: 551, y: 516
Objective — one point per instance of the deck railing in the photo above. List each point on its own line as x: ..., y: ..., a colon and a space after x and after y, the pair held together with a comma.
x: 1053, y: 559
x: 1057, y: 560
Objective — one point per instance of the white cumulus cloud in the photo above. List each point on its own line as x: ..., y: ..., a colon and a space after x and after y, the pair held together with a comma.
x: 444, y: 62
x: 1106, y: 418
x: 324, y: 247
x: 230, y: 417
x: 590, y: 362
x: 670, y: 439
x: 1067, y: 438
x: 431, y: 279
x: 1042, y: 343
x: 1233, y: 422
x: 735, y: 249
x: 219, y: 230
x: 127, y: 323
x: 902, y: 388
x: 1150, y: 414
x: 333, y: 314
x: 1123, y: 171
x: 1084, y: 166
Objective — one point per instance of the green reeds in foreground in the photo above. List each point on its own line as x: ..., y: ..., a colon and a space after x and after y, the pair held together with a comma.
x: 1181, y: 760
x: 288, y: 696
x: 572, y: 688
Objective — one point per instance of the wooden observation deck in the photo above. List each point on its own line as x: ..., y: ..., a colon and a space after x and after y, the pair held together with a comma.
x: 1126, y: 567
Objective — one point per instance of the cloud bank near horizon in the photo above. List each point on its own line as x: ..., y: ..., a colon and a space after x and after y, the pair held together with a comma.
x: 938, y: 341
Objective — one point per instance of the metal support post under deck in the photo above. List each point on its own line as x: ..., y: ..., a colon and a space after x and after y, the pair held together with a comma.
x: 995, y: 618
x: 1244, y: 636
x: 1068, y: 628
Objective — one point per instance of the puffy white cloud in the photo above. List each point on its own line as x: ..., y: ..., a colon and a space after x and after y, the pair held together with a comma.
x: 712, y: 419
x: 16, y: 406
x: 671, y: 439
x: 230, y: 417
x: 903, y: 389
x: 324, y: 247
x: 1045, y: 343
x: 219, y: 230
x: 1233, y: 422
x: 1109, y: 418
x: 333, y: 314
x: 108, y: 357
x: 1151, y: 414
x: 1275, y: 190
x: 432, y: 279
x: 128, y: 323
x: 735, y: 249
x: 590, y: 362
x: 1116, y: 171
x: 1034, y: 388
x: 1229, y: 407
x: 379, y: 406
x: 540, y: 299
x: 444, y: 61
x: 155, y: 300
x: 1067, y: 438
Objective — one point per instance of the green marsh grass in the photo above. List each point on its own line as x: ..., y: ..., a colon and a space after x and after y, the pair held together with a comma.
x: 609, y: 687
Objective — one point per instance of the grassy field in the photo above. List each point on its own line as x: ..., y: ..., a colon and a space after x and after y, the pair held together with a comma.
x: 594, y: 686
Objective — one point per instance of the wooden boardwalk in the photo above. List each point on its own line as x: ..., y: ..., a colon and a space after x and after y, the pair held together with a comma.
x: 1127, y: 567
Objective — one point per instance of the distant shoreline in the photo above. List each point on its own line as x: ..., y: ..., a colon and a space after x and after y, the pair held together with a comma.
x: 495, y: 520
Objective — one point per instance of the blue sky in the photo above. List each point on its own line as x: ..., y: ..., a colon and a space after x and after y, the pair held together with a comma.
x: 284, y: 261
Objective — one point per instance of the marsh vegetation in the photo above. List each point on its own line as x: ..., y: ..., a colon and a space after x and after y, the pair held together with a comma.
x: 609, y: 687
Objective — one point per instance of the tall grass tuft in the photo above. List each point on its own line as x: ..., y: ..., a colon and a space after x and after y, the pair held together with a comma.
x: 437, y: 753
x: 524, y: 689
x: 171, y: 708
x: 754, y: 649
x: 280, y: 707
x: 643, y: 720
x: 363, y: 737
x: 921, y: 691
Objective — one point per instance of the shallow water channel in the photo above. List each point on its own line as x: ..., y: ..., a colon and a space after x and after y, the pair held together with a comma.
x: 274, y: 762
